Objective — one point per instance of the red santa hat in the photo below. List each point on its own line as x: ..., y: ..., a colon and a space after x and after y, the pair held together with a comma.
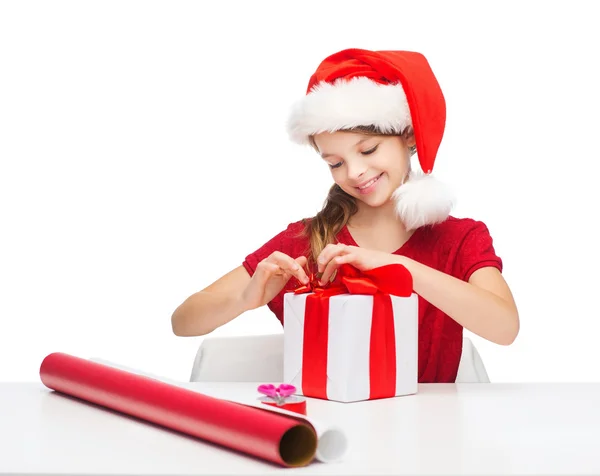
x: 390, y: 90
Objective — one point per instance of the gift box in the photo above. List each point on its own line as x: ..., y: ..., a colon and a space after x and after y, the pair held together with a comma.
x: 354, y: 340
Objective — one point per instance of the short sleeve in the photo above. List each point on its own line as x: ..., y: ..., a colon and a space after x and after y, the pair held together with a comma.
x: 476, y: 251
x: 290, y: 242
x: 274, y: 244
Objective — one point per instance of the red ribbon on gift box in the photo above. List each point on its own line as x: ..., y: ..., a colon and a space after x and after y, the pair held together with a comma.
x: 381, y: 282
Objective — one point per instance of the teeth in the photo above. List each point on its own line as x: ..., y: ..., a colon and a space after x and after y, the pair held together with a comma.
x: 369, y: 183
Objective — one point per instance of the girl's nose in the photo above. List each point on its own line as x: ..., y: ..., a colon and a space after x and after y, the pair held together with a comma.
x: 356, y: 170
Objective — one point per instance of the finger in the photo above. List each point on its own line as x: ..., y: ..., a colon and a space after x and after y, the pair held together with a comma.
x: 302, y: 260
x: 330, y: 252
x: 324, y: 257
x: 344, y: 259
x: 264, y: 270
x: 330, y: 268
x: 283, y: 261
x: 289, y: 265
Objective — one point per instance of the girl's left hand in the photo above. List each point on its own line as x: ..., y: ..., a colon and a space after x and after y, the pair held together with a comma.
x: 363, y: 259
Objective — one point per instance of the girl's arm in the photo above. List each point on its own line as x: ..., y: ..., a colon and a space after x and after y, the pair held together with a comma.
x: 484, y: 305
x: 206, y: 310
x: 236, y: 293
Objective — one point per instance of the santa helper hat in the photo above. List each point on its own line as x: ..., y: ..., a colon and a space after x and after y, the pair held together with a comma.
x: 390, y: 90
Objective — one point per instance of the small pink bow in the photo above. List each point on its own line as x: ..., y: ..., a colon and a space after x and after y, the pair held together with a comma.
x: 277, y: 393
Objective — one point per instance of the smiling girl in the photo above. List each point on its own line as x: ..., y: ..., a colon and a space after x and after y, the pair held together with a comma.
x: 366, y: 113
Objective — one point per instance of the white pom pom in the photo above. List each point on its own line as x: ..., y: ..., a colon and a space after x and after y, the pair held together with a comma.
x: 423, y: 200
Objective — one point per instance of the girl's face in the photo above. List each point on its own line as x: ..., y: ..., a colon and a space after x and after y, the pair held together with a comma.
x: 367, y: 167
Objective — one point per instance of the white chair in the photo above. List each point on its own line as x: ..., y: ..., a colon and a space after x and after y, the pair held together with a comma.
x: 470, y: 367
x: 260, y: 359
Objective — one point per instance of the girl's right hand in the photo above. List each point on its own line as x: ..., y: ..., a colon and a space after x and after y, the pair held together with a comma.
x: 270, y: 277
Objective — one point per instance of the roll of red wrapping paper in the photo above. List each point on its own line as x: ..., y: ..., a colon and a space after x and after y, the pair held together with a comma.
x: 267, y: 435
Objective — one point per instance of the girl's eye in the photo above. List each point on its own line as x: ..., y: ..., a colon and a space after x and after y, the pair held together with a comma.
x: 370, y: 151
x: 335, y: 166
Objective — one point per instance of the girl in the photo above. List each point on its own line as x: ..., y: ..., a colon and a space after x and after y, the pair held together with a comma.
x: 366, y: 113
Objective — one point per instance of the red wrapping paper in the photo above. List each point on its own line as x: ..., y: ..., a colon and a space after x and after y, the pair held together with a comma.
x: 267, y: 435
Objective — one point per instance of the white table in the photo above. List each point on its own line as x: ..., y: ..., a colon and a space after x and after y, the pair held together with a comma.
x: 445, y: 429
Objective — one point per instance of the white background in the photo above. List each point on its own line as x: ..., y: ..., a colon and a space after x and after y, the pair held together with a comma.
x: 143, y: 154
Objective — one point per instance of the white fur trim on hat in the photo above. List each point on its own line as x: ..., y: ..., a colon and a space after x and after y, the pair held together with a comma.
x: 423, y: 200
x: 346, y: 104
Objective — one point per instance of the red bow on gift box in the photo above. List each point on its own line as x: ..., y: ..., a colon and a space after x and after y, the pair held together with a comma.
x: 392, y: 279
x: 379, y: 282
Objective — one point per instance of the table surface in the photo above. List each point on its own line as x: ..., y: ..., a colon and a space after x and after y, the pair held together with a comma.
x: 548, y: 428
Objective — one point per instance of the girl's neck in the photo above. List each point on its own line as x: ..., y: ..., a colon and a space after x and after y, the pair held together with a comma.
x: 369, y: 217
x: 378, y: 229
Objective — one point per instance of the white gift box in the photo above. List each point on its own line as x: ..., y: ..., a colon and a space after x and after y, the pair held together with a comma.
x: 348, y: 347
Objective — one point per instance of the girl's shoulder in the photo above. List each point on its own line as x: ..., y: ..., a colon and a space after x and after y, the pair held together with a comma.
x: 462, y: 244
x: 291, y: 240
x: 454, y: 230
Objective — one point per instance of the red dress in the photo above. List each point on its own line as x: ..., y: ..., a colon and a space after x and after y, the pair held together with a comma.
x: 458, y: 246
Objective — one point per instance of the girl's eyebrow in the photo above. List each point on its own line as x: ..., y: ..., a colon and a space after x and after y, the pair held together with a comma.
x: 324, y: 156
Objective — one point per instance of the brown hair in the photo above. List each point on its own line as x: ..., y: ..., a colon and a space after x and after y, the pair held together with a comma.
x: 339, y: 206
